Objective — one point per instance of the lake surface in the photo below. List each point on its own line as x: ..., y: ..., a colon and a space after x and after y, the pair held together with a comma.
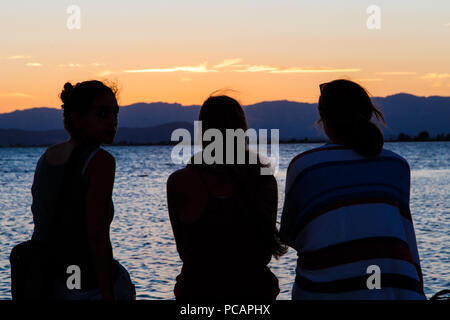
x: 142, y: 236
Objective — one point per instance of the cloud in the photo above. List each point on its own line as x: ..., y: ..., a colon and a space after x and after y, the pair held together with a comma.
x: 254, y: 68
x: 273, y: 69
x: 314, y: 70
x: 18, y: 57
x: 34, y: 64
x: 78, y: 65
x: 16, y: 94
x: 104, y: 73
x: 436, y: 76
x: 196, y: 69
x: 233, y: 65
x: 227, y: 63
x: 70, y: 65
x: 185, y: 79
x: 396, y: 73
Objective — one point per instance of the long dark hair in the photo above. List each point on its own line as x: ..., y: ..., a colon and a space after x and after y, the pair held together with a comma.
x: 346, y: 108
x: 222, y: 112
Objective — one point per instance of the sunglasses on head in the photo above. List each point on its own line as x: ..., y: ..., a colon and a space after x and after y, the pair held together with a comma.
x: 322, y: 85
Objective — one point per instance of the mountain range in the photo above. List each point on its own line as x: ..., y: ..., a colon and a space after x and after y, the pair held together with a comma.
x: 142, y: 123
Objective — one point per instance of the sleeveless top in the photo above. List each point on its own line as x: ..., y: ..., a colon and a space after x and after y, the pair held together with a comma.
x: 59, y: 215
x: 347, y: 215
x: 224, y: 255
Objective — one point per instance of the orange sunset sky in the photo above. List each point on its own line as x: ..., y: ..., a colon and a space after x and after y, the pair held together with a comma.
x: 181, y: 51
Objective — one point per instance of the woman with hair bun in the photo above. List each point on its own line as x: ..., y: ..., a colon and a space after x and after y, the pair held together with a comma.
x: 346, y: 208
x: 72, y: 204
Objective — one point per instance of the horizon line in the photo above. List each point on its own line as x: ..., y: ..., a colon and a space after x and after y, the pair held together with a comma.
x: 244, y: 105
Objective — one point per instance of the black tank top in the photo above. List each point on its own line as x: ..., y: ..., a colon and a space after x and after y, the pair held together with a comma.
x: 69, y: 233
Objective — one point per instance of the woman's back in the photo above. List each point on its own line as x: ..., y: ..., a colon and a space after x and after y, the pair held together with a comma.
x: 59, y: 196
x: 223, y: 247
x: 344, y: 213
x: 48, y: 185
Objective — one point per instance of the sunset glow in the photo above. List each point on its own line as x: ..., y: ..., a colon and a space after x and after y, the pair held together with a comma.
x: 181, y: 51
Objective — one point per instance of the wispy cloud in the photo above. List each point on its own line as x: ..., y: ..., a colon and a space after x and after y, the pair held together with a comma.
x: 104, y: 73
x: 18, y: 57
x: 70, y: 65
x: 233, y: 65
x: 436, y: 76
x: 196, y: 69
x: 314, y: 70
x: 274, y: 69
x: 396, y: 73
x: 16, y: 94
x: 34, y: 64
x: 254, y: 68
x: 79, y: 65
x: 227, y: 63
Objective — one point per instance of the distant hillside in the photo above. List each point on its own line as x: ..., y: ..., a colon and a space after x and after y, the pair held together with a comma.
x: 149, y: 135
x: 404, y: 113
x: 411, y: 114
x: 18, y: 137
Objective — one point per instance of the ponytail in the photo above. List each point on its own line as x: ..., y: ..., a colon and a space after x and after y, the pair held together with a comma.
x: 346, y: 108
x: 367, y: 139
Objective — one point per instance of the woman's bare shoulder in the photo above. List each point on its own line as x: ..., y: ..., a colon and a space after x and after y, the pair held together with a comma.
x: 102, y: 162
x: 182, y: 175
x: 58, y: 153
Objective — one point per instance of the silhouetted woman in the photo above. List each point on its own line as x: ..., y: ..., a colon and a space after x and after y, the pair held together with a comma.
x: 346, y: 209
x: 224, y: 219
x: 72, y: 199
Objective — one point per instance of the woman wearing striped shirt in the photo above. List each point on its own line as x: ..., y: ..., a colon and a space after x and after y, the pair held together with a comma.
x: 346, y: 209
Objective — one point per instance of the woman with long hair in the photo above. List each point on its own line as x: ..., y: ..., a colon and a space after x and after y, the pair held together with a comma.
x: 72, y: 203
x: 346, y: 208
x: 223, y: 217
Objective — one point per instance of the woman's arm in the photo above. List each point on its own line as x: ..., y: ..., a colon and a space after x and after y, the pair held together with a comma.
x: 186, y: 199
x: 269, y: 198
x: 287, y: 221
x: 100, y: 174
x: 171, y: 206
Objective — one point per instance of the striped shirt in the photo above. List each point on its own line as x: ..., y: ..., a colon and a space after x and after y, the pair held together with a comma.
x: 344, y: 213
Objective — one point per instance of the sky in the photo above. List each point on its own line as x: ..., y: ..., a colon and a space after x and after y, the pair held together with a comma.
x: 182, y: 51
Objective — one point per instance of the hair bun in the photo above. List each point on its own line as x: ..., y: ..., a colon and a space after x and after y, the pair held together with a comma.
x: 66, y: 93
x: 68, y: 86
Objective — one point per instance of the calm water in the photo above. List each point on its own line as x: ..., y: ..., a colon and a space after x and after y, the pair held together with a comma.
x: 142, y: 236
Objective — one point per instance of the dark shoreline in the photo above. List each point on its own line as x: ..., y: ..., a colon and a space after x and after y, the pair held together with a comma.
x: 291, y: 141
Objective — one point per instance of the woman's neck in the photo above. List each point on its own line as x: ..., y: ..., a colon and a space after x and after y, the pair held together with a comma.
x: 74, y: 141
